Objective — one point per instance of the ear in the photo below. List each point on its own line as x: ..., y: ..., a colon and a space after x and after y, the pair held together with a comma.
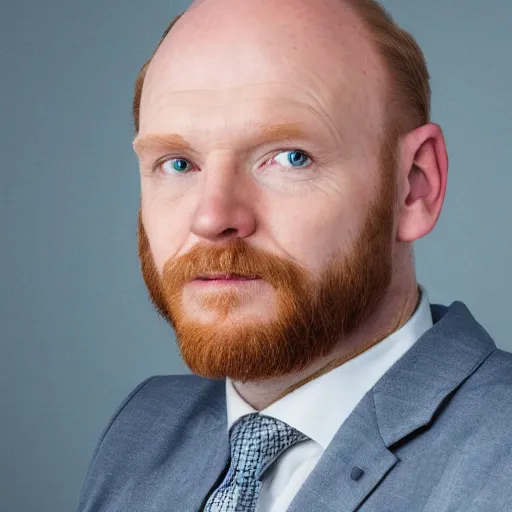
x: 423, y: 176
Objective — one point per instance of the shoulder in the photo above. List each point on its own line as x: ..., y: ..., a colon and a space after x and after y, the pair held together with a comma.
x: 493, y: 376
x: 486, y: 396
x: 500, y: 363
x: 166, y: 395
x: 171, y: 390
x: 475, y: 429
x: 168, y: 400
x: 149, y: 422
x: 469, y: 351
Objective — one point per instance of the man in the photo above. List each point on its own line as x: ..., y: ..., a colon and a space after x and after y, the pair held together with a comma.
x: 287, y: 165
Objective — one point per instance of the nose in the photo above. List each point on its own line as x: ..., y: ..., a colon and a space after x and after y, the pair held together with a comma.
x: 224, y: 209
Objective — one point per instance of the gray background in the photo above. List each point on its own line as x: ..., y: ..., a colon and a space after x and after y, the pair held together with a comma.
x: 77, y: 330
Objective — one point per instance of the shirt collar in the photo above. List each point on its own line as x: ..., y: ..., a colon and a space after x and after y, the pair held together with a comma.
x: 334, y: 395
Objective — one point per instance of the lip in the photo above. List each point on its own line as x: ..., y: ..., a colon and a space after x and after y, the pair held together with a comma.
x: 216, y: 278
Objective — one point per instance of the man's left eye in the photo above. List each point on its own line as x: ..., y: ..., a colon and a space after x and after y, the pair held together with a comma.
x: 295, y: 158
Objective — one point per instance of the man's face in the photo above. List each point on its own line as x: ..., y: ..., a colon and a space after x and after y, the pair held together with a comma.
x: 266, y: 223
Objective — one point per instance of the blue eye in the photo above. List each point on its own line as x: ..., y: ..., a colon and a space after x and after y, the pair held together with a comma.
x: 178, y: 165
x: 294, y: 158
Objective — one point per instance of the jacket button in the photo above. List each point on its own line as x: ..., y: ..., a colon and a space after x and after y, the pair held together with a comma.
x: 356, y: 473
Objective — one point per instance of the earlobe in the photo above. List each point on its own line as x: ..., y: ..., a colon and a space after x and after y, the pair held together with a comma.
x: 424, y: 176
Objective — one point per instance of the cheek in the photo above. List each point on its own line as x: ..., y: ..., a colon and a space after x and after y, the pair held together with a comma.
x: 314, y: 229
x: 328, y: 218
x: 165, y: 232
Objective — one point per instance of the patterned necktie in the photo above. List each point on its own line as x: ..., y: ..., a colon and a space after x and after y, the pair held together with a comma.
x: 255, y: 441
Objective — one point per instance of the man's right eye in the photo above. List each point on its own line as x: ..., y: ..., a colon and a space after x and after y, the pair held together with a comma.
x: 175, y: 165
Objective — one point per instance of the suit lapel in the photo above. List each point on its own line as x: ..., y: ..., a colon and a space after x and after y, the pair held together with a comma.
x: 410, y: 393
x: 205, y: 440
x: 336, y: 483
x: 405, y: 399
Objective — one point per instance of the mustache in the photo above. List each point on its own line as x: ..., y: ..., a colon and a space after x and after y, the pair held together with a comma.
x: 239, y: 258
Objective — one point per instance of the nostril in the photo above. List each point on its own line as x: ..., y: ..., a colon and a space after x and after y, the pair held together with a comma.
x: 229, y: 232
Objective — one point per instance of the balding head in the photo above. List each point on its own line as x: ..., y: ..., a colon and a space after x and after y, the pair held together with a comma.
x: 408, y: 93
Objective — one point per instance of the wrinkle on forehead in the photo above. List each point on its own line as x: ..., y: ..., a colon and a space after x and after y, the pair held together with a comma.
x: 223, y: 114
x: 222, y: 52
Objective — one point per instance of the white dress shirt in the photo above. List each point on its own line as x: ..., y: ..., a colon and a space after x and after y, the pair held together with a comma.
x: 319, y: 408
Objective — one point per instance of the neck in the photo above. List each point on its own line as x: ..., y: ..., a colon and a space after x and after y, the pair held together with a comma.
x: 394, y: 311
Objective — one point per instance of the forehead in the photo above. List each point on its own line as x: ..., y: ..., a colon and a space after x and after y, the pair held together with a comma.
x: 264, y: 63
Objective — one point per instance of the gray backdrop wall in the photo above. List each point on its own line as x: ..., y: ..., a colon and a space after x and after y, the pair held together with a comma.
x: 77, y: 331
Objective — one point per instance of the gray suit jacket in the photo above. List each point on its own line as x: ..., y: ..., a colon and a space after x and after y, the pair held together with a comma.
x: 433, y: 435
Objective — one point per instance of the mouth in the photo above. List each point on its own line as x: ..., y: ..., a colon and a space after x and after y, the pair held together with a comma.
x: 213, y: 277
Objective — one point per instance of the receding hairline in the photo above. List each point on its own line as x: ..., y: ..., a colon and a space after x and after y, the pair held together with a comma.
x: 375, y: 21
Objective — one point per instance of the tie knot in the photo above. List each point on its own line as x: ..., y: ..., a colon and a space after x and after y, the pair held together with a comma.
x: 256, y: 441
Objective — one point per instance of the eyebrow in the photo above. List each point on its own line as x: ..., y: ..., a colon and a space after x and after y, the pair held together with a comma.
x: 156, y: 142
x: 266, y: 135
